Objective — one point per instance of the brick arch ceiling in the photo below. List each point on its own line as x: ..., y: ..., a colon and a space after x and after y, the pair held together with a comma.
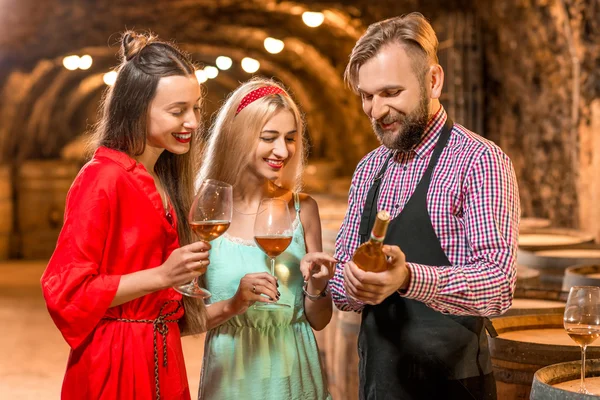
x: 310, y: 75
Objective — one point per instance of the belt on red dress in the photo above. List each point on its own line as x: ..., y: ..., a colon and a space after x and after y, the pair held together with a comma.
x: 159, y: 326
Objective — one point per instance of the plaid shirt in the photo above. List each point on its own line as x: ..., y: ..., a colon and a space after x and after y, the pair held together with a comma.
x: 473, y: 204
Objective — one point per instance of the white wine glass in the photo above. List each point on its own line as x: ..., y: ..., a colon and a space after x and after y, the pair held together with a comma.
x: 210, y: 216
x: 272, y: 234
x: 582, y: 320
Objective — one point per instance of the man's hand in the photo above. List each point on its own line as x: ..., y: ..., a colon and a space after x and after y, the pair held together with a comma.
x: 374, y: 287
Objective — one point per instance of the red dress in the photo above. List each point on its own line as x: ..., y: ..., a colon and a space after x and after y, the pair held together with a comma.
x: 115, y: 224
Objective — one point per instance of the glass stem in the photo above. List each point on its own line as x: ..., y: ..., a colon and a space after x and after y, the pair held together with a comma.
x: 582, y: 389
x: 272, y: 266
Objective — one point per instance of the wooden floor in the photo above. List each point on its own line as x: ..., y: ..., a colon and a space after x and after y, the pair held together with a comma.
x: 33, y: 354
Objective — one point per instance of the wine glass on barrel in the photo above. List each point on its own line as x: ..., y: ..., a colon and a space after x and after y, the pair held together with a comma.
x: 210, y: 216
x: 272, y: 234
x: 582, y: 320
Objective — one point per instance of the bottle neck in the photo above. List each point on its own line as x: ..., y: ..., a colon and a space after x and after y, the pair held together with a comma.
x: 379, y: 230
x: 375, y: 239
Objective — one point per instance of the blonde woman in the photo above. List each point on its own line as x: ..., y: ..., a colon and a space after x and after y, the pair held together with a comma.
x: 257, y: 145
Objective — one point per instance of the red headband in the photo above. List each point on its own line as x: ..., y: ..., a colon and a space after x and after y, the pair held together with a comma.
x: 257, y: 94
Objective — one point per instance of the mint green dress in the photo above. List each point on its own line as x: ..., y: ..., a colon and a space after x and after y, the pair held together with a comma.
x: 261, y: 354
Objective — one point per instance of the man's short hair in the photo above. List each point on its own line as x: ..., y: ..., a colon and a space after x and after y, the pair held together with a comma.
x: 412, y: 31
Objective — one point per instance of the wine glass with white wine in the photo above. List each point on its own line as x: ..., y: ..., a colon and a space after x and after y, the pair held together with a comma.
x: 272, y: 234
x: 210, y: 216
x: 582, y: 320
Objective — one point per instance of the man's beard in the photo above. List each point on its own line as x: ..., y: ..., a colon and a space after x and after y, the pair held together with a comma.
x: 411, y: 129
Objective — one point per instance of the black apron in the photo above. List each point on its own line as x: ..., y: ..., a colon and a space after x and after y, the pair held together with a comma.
x: 408, y: 350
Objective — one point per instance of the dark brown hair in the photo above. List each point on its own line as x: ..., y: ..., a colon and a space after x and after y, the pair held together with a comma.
x: 124, y: 121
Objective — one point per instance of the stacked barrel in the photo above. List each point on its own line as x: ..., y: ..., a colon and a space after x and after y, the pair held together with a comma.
x: 531, y: 337
x: 42, y: 187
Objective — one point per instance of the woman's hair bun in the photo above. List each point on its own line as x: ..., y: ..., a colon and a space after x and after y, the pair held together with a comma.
x: 133, y: 43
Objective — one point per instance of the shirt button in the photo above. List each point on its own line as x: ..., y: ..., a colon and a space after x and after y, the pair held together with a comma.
x: 404, y: 168
x: 396, y: 205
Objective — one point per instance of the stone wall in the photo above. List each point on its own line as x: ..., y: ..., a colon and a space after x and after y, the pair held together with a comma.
x: 538, y: 63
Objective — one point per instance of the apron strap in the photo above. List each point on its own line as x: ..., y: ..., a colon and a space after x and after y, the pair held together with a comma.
x: 370, y: 211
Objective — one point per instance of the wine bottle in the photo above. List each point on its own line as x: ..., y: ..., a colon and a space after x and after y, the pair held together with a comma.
x: 369, y: 256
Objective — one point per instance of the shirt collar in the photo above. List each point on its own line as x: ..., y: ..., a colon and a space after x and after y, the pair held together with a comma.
x: 431, y: 135
x: 117, y: 156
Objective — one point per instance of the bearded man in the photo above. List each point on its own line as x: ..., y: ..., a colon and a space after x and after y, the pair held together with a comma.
x: 452, y: 239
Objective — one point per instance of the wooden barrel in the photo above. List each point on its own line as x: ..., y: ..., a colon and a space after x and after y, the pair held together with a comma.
x: 345, y: 367
x: 554, y: 238
x: 552, y: 263
x: 561, y: 381
x: 527, y: 277
x: 533, y: 224
x: 42, y: 188
x: 583, y: 275
x: 526, y: 343
x: 6, y: 211
x: 529, y: 301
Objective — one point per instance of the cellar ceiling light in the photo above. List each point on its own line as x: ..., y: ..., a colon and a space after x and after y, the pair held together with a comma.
x: 85, y: 62
x: 201, y: 76
x: 224, y: 63
x: 211, y: 72
x: 110, y: 78
x: 250, y: 65
x: 273, y: 45
x: 71, y: 62
x: 313, y: 19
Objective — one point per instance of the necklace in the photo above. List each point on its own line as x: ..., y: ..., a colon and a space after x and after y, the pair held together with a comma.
x: 243, y: 213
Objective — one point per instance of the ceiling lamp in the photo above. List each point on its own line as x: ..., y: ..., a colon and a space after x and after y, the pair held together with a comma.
x: 250, y: 65
x: 85, y: 62
x: 273, y: 45
x: 313, y: 19
x: 211, y: 72
x: 224, y: 63
x: 71, y: 62
x: 201, y: 76
x: 110, y: 78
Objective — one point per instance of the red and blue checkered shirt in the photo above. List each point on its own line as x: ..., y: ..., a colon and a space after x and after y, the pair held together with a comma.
x: 473, y: 203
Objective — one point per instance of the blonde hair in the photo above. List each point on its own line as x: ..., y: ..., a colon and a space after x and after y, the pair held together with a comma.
x: 412, y: 31
x: 233, y: 138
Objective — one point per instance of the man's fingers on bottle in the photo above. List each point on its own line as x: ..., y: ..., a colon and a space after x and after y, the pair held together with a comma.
x: 352, y: 279
x: 356, y: 272
x: 393, y: 251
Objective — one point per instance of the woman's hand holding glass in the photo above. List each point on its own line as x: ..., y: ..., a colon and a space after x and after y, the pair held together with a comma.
x: 185, y: 264
x: 255, y: 287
